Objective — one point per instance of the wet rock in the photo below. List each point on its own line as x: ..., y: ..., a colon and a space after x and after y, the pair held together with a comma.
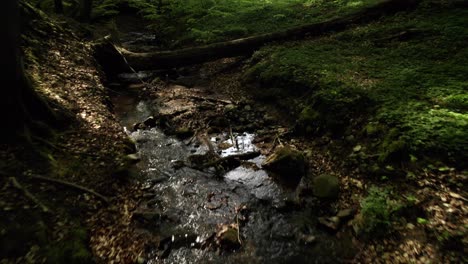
x: 304, y: 190
x: 346, y: 213
x: 177, y: 164
x: 158, y: 179
x: 268, y: 119
x: 150, y: 122
x: 229, y: 107
x: 138, y: 126
x: 326, y: 186
x: 134, y: 77
x: 141, y: 260
x: 307, y: 239
x: 146, y: 216
x: 228, y: 237
x: 200, y: 160
x: 132, y: 158
x: 220, y: 122
x: 183, y: 132
x: 331, y: 223
x: 214, y: 130
x: 286, y: 163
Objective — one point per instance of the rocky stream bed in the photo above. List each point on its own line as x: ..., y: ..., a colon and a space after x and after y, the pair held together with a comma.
x: 225, y: 211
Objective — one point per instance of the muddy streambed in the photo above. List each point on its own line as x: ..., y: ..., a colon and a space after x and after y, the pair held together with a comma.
x: 211, y: 216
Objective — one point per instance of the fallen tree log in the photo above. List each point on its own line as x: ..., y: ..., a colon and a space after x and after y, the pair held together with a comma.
x: 237, y: 47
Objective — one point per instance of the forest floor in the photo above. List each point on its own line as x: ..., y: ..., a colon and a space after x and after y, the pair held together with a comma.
x: 42, y: 221
x: 424, y: 210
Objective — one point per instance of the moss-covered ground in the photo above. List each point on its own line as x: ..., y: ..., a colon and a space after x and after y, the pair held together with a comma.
x: 396, y: 88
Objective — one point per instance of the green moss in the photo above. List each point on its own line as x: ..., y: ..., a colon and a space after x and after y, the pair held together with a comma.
x: 287, y: 164
x: 326, y: 186
x: 456, y: 102
x: 73, y: 249
x: 371, y: 79
x: 377, y: 212
x: 307, y: 118
x: 373, y: 129
x: 393, y: 147
x: 186, y: 22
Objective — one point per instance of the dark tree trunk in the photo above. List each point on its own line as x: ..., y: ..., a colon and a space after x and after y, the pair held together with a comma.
x: 58, y: 5
x: 20, y: 106
x: 160, y: 3
x: 187, y: 56
x: 85, y: 10
x: 12, y: 110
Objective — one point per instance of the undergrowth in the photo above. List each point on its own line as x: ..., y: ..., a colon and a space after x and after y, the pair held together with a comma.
x: 377, y: 212
x: 399, y: 84
x: 188, y: 22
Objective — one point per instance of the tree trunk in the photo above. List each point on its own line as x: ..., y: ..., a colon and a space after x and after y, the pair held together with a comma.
x: 187, y: 56
x: 20, y: 106
x: 58, y: 5
x: 160, y: 3
x: 85, y: 10
x: 12, y: 110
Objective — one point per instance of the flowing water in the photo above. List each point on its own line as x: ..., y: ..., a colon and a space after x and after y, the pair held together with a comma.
x: 193, y: 206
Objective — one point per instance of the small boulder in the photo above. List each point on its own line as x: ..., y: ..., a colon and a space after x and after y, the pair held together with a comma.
x: 138, y: 126
x: 346, y: 213
x: 229, y: 108
x: 183, y: 132
x: 331, y: 223
x: 220, y: 121
x: 307, y: 239
x: 132, y: 158
x: 326, y: 186
x: 150, y: 122
x: 287, y: 164
x: 228, y: 237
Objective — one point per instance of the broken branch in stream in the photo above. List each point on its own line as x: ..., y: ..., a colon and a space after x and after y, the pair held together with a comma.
x: 69, y: 184
x: 229, y: 159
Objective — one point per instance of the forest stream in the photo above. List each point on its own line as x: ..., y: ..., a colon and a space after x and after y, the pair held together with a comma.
x: 208, y: 215
x: 195, y: 211
x: 237, y: 131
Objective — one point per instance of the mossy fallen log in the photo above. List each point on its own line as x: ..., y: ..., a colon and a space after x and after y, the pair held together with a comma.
x: 108, y: 54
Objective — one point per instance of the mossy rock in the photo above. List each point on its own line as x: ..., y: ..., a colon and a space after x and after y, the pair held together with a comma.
x: 326, y: 186
x: 228, y: 238
x: 287, y: 164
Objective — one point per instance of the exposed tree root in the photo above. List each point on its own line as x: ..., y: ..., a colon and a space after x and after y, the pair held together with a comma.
x: 72, y: 185
x: 26, y: 193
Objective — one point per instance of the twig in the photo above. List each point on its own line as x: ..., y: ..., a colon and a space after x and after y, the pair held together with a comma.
x: 273, y: 144
x: 234, y: 141
x: 69, y: 184
x: 238, y: 229
x: 211, y: 100
x: 279, y: 141
x: 26, y: 193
